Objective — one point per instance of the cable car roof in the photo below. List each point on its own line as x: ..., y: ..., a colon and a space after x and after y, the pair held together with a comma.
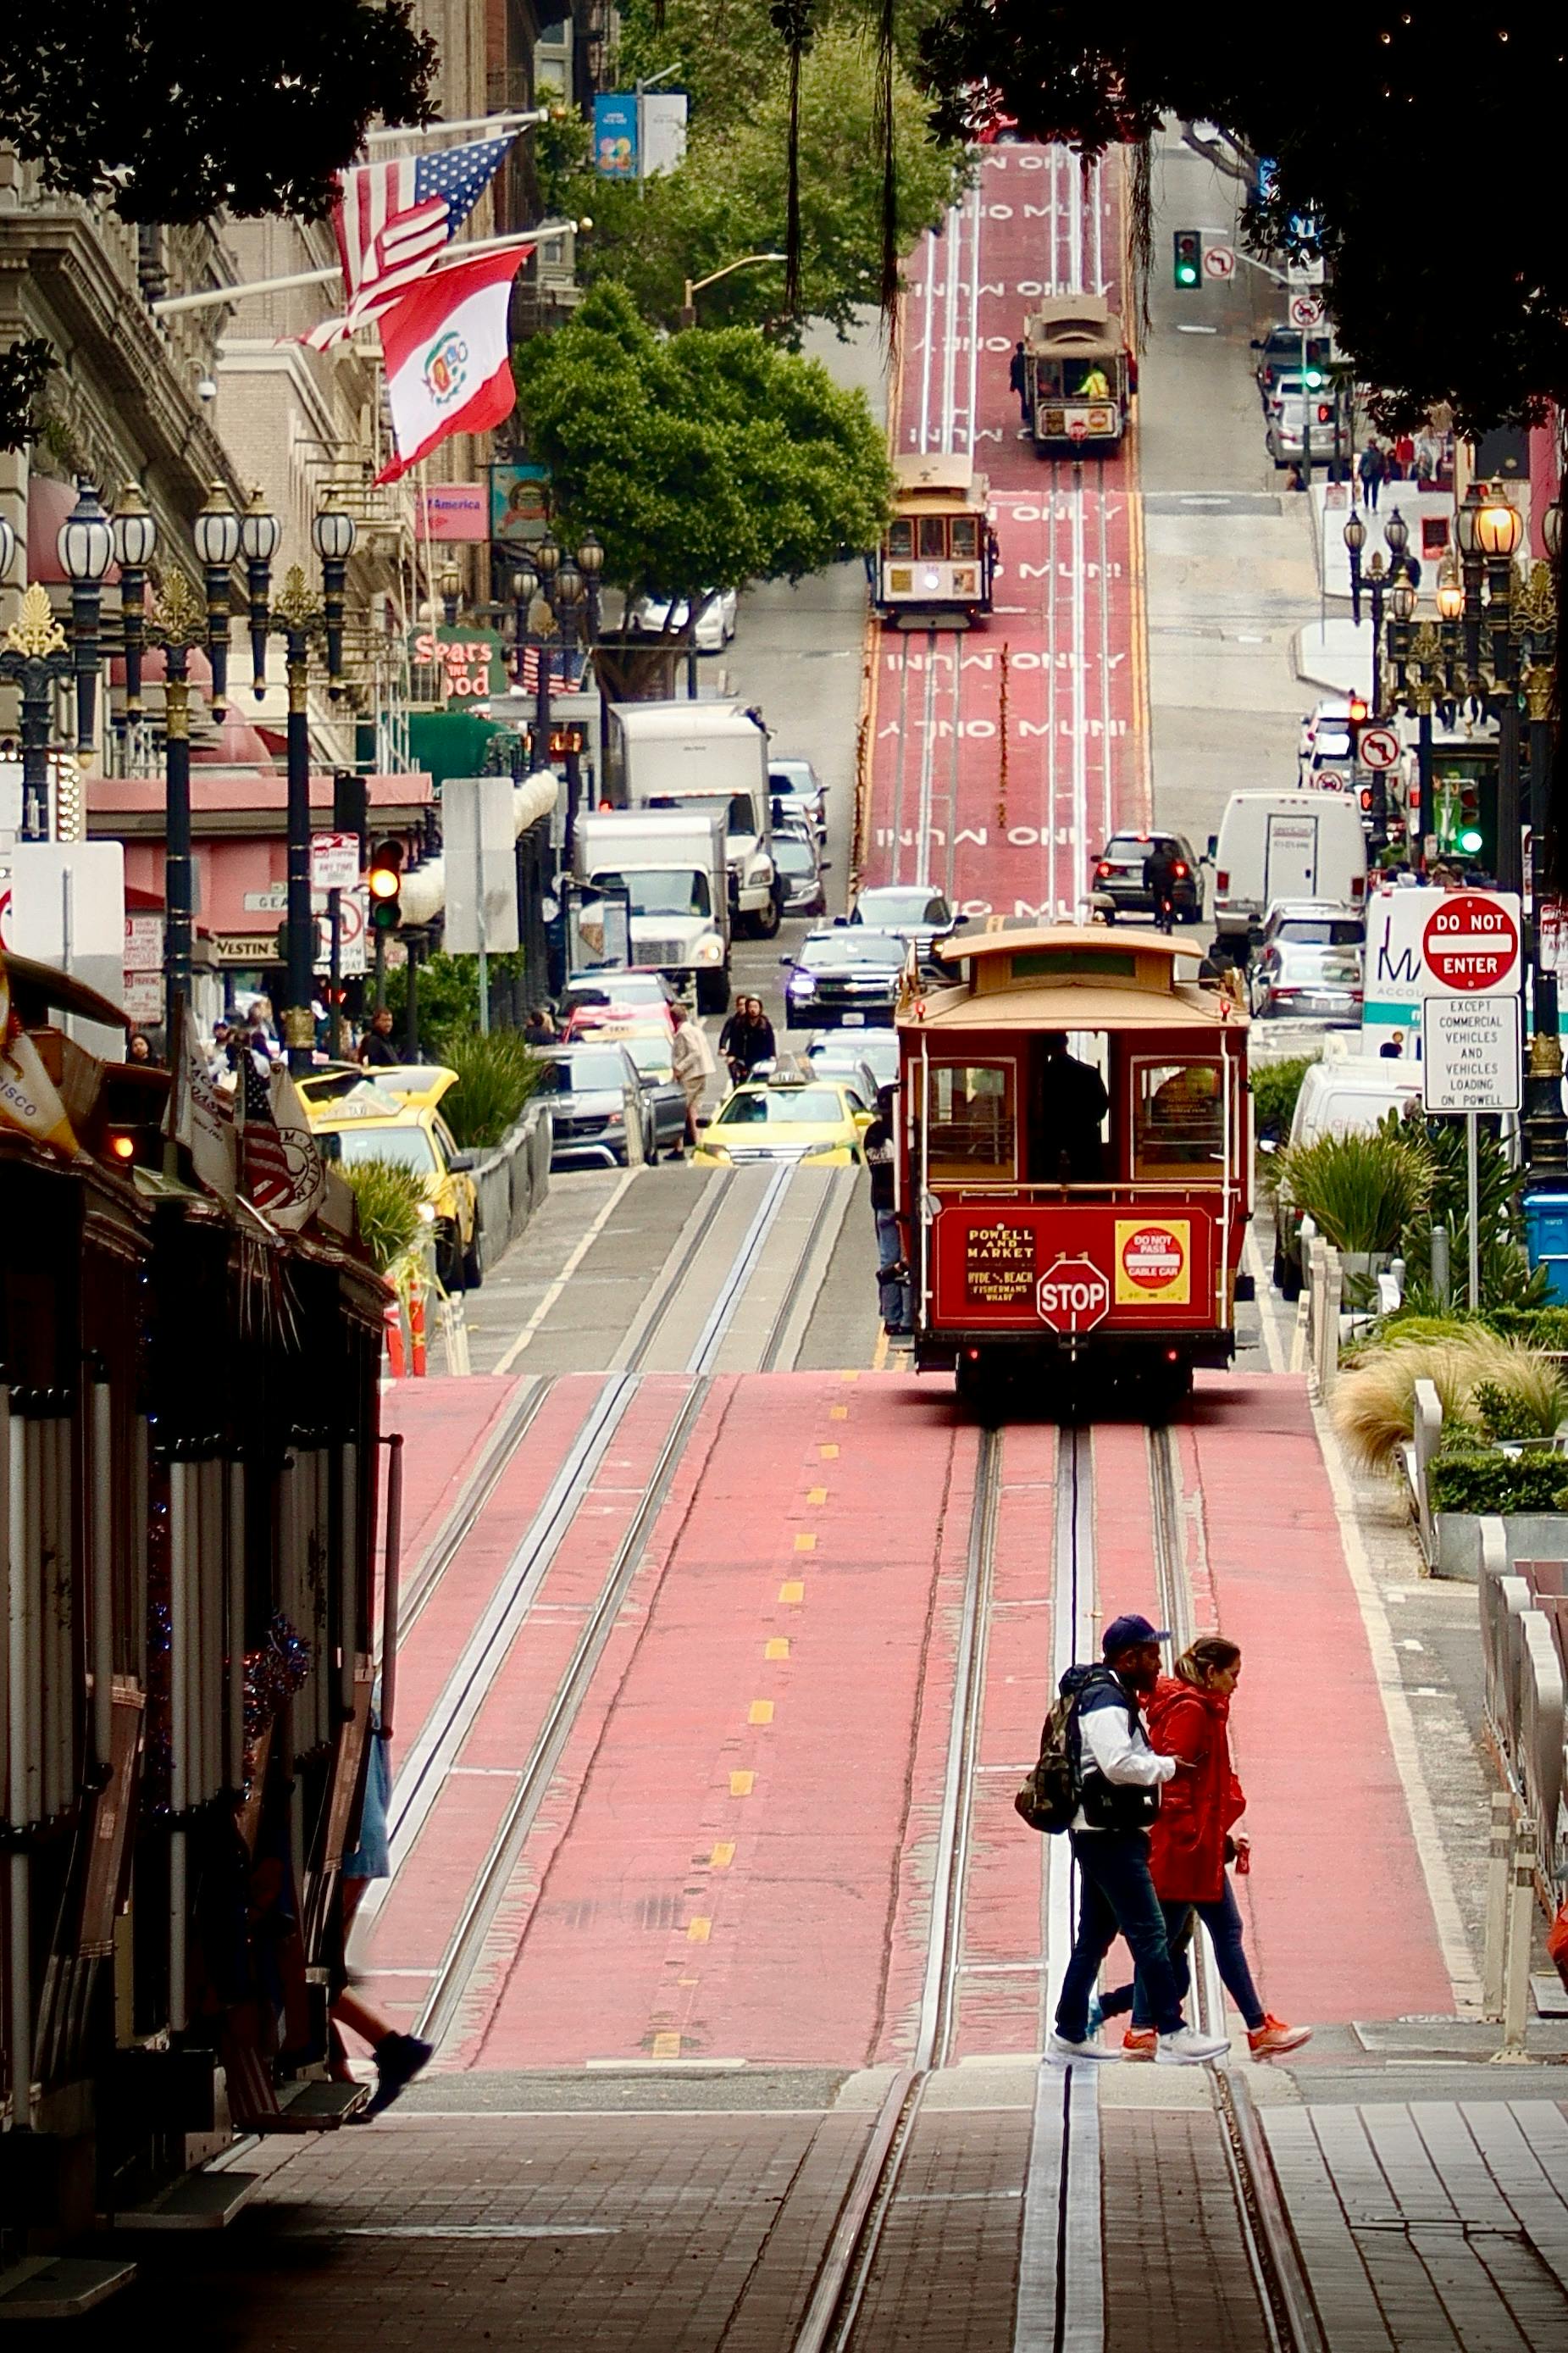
x: 1070, y: 976
x: 1071, y: 324
x: 937, y: 480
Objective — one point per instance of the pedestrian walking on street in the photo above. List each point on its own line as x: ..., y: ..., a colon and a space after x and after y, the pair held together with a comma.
x: 691, y: 1059
x: 1018, y: 379
x: 1192, y: 1839
x: 1372, y: 469
x: 540, y: 1030
x: 398, y: 2057
x: 1120, y: 1780
x: 881, y: 1149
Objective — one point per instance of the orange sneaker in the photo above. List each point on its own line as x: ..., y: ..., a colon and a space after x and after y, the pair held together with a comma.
x: 1274, y: 2036
x: 1140, y: 2042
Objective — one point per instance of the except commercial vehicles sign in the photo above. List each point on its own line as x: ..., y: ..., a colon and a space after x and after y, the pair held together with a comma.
x: 1470, y: 1060
x: 1073, y: 1295
x: 1470, y: 944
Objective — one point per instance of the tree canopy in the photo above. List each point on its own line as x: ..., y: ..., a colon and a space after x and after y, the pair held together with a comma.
x: 174, y: 113
x: 729, y: 197
x: 700, y: 460
x: 1426, y: 158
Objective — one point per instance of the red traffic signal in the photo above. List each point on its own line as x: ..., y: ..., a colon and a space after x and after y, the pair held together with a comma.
x: 1357, y: 710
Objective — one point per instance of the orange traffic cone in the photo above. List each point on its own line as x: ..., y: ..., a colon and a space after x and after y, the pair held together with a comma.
x: 396, y: 1364
x: 417, y: 1329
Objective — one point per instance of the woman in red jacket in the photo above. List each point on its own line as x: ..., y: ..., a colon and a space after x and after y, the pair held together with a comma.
x: 1191, y: 1840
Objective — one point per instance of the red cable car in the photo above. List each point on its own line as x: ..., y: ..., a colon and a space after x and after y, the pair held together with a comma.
x: 1074, y: 1163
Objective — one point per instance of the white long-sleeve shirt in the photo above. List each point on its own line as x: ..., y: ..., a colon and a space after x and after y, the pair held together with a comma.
x: 1107, y: 1739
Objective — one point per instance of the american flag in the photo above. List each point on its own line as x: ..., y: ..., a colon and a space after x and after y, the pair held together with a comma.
x: 280, y: 1168
x: 394, y: 218
x: 573, y: 683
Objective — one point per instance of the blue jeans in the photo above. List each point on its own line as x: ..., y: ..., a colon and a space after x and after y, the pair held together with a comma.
x: 1223, y: 1921
x: 892, y: 1291
x: 1115, y: 1891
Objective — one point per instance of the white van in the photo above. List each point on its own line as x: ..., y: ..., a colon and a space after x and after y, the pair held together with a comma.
x: 1288, y: 845
x: 1347, y: 1093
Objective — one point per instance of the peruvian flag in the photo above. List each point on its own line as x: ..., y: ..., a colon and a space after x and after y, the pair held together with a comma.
x: 447, y: 361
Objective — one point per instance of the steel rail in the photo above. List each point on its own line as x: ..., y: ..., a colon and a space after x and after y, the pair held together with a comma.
x: 488, y: 1892
x: 839, y: 2288
x: 1273, y: 2257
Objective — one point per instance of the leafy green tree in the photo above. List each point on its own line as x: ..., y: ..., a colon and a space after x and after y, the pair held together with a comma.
x: 729, y: 197
x: 174, y: 113
x: 702, y: 458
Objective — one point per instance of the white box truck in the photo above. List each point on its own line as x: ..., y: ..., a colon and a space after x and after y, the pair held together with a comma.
x: 1285, y: 845
x: 701, y: 755
x: 672, y: 863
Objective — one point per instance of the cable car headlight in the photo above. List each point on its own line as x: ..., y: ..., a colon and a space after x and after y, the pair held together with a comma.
x: 931, y: 579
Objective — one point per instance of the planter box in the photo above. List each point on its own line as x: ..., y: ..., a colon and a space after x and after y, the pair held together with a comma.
x: 1528, y: 1536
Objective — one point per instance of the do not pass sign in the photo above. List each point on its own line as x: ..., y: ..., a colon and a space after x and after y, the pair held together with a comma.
x: 1470, y: 944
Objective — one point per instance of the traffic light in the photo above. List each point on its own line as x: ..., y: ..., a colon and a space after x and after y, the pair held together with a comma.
x: 1187, y: 256
x: 1325, y: 412
x: 383, y: 882
x: 351, y: 805
x: 1357, y: 714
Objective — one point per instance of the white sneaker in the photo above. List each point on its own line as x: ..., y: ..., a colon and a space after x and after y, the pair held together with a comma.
x: 1061, y: 2052
x: 1188, y: 2048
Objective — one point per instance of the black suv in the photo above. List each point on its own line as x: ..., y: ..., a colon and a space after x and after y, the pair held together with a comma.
x: 846, y: 977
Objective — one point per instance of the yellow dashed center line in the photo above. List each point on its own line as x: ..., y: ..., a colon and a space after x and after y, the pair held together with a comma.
x: 804, y: 1542
x: 793, y: 1589
x: 761, y: 1712
x: 777, y: 1647
x: 816, y: 1494
x: 722, y: 1856
x: 828, y: 1453
x: 741, y: 1784
x: 838, y: 1413
x: 698, y: 1931
x: 666, y: 2046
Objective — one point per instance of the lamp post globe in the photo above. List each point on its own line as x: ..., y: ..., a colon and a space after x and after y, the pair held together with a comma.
x: 590, y: 556
x: 1450, y: 595
x: 1551, y: 531
x: 569, y: 585
x: 1355, y: 532
x: 133, y: 531
x: 547, y: 555
x: 1465, y: 519
x: 1395, y: 532
x: 86, y: 540
x: 7, y: 550
x: 259, y: 530
x: 1402, y: 600
x: 216, y: 531
x: 334, y: 534
x: 524, y: 584
x: 1499, y: 527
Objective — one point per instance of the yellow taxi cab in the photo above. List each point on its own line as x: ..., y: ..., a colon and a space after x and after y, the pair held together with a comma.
x: 392, y: 1114
x: 817, y: 1121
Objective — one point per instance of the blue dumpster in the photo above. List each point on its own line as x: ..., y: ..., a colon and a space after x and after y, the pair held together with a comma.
x: 1546, y: 1238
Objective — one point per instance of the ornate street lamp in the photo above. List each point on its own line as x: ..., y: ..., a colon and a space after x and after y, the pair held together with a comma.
x: 216, y: 532
x: 86, y: 548
x: 1450, y: 593
x: 259, y: 532
x: 333, y: 534
x: 7, y: 550
x: 178, y: 623
x: 451, y: 585
x: 135, y: 544
x: 35, y: 657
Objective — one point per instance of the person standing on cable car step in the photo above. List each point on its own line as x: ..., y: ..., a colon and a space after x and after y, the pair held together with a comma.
x: 1067, y: 1110
x: 882, y: 1151
x: 1019, y: 378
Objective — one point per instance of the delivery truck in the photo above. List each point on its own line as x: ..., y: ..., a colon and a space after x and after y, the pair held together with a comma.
x: 672, y: 863
x: 1284, y: 845
x: 697, y: 756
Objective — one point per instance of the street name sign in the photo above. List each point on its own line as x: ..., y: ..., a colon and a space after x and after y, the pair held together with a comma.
x: 1471, y: 1054
x: 1378, y: 747
x: 1309, y: 271
x: 1470, y: 945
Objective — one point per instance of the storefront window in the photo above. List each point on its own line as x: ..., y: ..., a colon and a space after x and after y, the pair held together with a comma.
x: 970, y: 1122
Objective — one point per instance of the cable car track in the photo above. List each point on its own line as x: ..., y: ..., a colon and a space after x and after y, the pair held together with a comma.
x: 1283, y: 2295
x: 838, y: 2290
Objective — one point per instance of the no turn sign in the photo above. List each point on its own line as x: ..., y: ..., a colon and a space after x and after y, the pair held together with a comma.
x: 1470, y: 944
x: 1378, y: 747
x: 1219, y: 262
x: 1306, y: 310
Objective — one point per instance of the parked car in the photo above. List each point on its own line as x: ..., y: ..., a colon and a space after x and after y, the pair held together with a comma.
x: 1118, y: 886
x: 1347, y: 1093
x: 597, y: 1101
x: 395, y: 1117
x: 796, y: 789
x: 787, y: 1118
x: 846, y: 974
x: 796, y: 859
x: 663, y: 615
x: 911, y: 909
x: 838, y: 1050
x: 1309, y: 962
x: 1296, y: 407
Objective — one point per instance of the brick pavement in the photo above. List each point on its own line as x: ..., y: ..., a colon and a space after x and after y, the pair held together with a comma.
x: 1176, y: 2271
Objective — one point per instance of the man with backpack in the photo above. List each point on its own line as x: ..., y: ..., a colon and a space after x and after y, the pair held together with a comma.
x: 1116, y: 1778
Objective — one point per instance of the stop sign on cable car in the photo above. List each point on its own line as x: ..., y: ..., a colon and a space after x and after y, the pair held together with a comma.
x: 1072, y: 1296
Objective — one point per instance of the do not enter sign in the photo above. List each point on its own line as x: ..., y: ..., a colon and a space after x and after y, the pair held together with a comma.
x: 1470, y: 944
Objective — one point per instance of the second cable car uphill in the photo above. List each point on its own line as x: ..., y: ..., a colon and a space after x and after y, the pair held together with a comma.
x: 1081, y: 376
x: 1038, y: 1242
x: 939, y: 552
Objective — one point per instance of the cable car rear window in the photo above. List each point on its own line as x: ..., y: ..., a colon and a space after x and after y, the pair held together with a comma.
x: 969, y: 1119
x: 1178, y: 1119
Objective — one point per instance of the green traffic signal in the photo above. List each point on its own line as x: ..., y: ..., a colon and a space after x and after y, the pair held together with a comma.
x: 1314, y: 379
x: 1186, y: 257
x: 1470, y: 840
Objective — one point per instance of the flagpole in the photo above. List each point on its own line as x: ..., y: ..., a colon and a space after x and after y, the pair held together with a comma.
x: 547, y: 233
x: 471, y: 122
